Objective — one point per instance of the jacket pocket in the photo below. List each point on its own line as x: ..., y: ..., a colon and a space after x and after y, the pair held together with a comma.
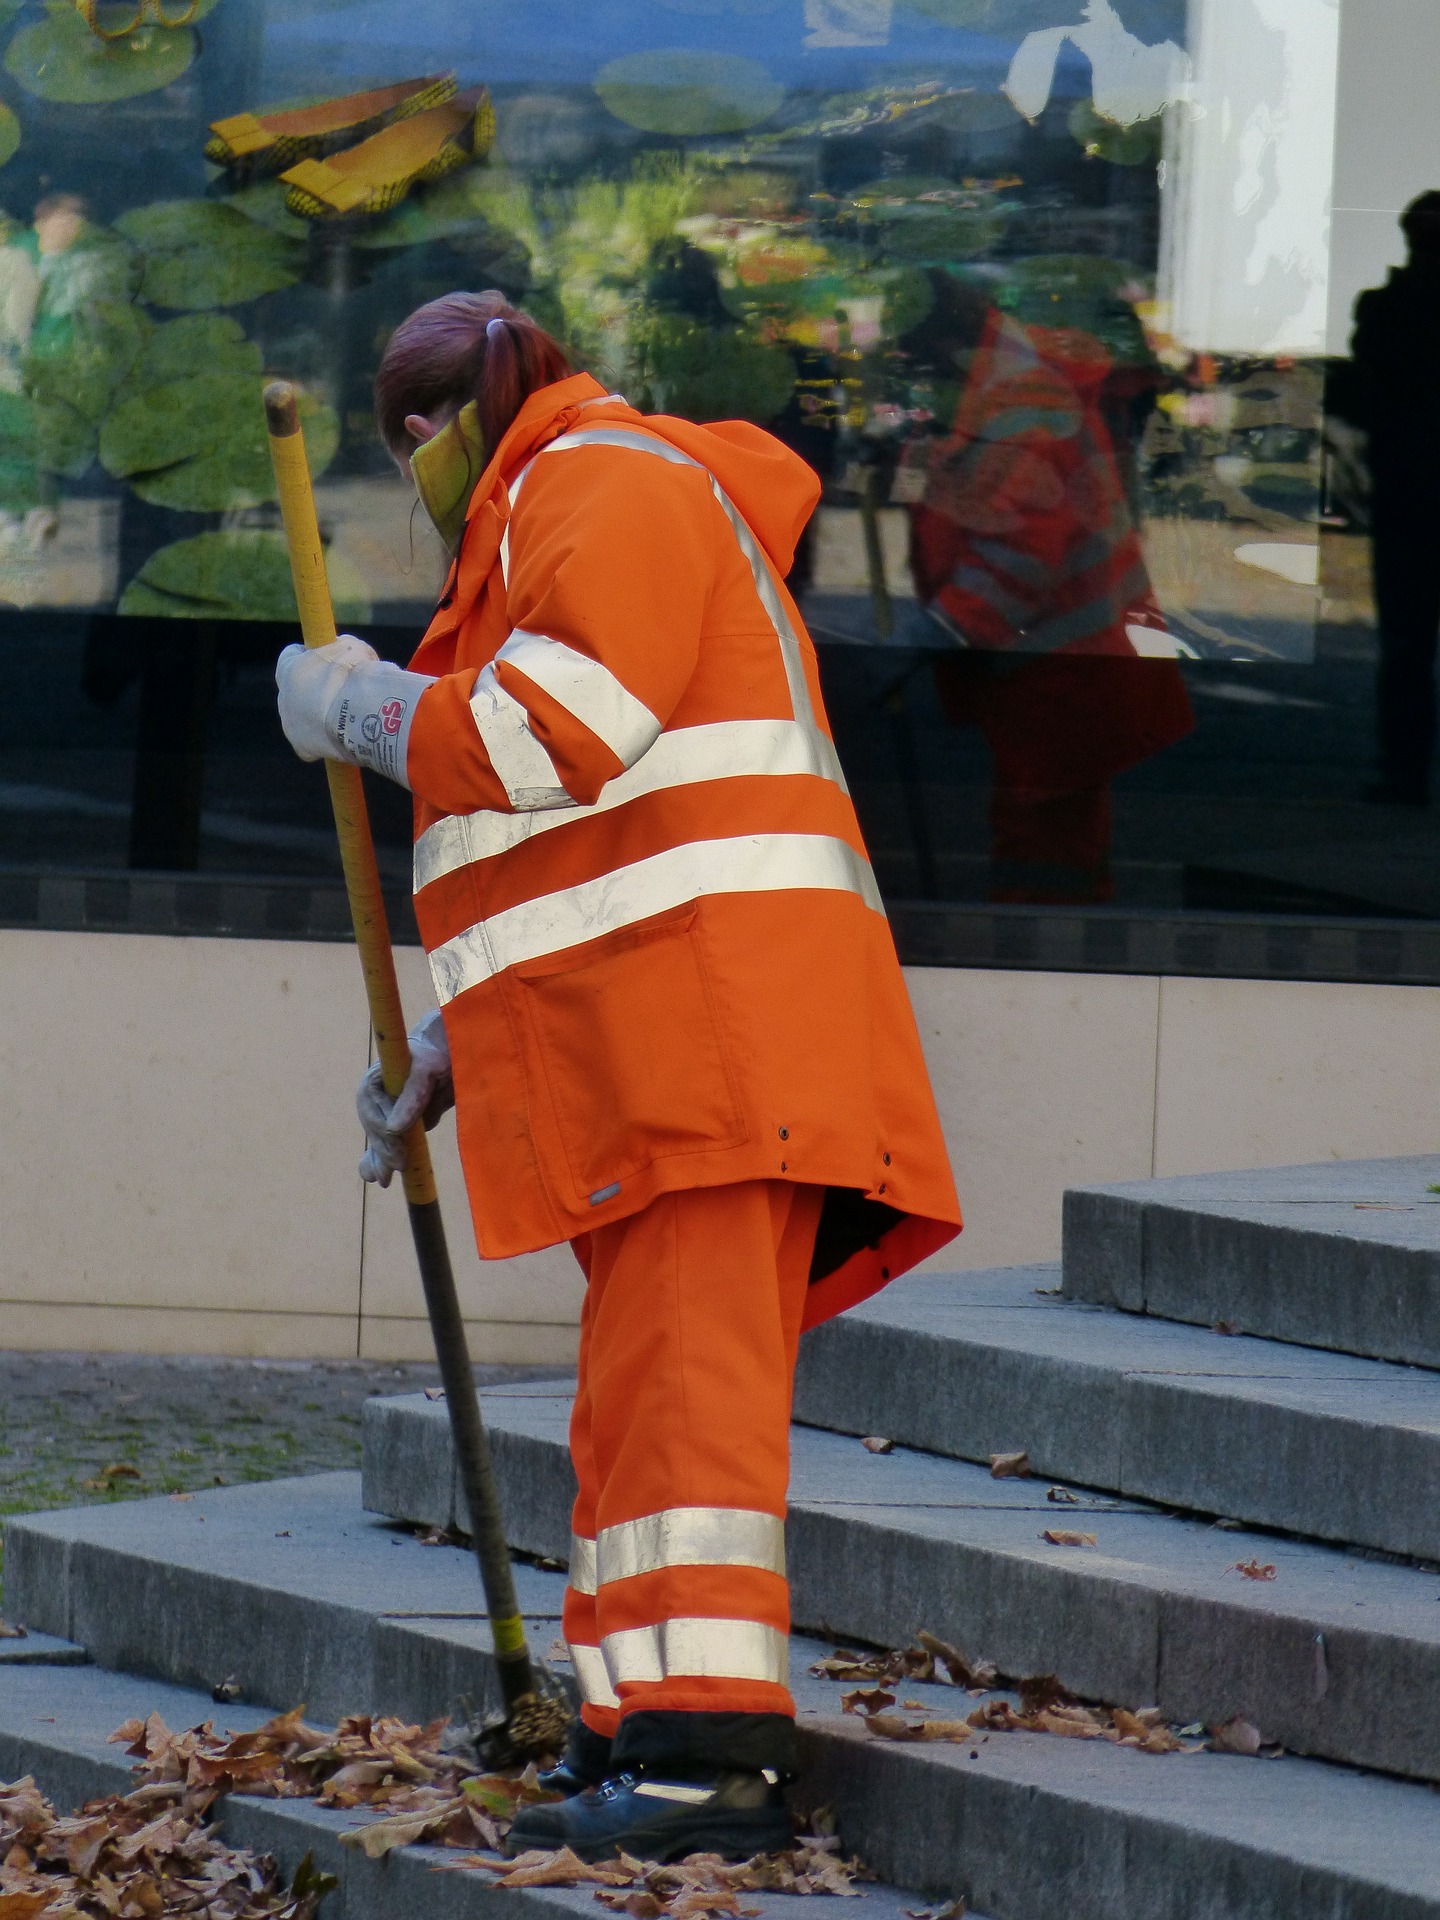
x: 626, y: 1035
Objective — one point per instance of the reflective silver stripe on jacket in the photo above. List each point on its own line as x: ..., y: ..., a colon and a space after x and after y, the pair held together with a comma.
x: 752, y: 863
x: 525, y: 769
x: 592, y: 1675
x: 686, y: 756
x: 587, y: 690
x: 690, y: 1537
x: 690, y: 1649
x: 581, y: 1576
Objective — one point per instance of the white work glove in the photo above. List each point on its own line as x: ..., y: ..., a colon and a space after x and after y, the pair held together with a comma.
x: 343, y: 702
x: 428, y: 1094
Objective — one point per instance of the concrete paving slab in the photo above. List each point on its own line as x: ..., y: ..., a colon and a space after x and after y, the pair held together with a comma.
x: 1336, y: 1655
x: 59, y: 1736
x: 1325, y: 1444
x: 1026, y: 1829
x: 1344, y: 1255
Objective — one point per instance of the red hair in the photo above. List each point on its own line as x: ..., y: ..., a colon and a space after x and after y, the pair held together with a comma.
x: 464, y: 346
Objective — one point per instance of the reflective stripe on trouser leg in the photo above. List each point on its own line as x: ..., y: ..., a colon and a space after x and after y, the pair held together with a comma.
x: 599, y: 1702
x: 692, y: 1319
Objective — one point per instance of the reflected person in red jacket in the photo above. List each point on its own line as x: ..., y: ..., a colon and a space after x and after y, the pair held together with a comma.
x: 1024, y: 548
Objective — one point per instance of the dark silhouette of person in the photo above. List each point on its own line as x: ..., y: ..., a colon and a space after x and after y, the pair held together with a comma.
x: 1396, y: 351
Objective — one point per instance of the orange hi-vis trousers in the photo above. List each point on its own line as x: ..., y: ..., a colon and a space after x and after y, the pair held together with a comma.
x: 677, y: 1599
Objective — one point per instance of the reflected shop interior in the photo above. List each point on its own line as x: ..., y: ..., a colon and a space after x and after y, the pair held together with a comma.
x: 1058, y: 297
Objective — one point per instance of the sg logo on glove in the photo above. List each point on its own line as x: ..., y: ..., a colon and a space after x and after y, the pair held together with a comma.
x: 387, y: 720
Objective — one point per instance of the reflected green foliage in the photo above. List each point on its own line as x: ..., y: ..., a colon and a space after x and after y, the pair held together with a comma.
x: 452, y: 208
x: 1102, y: 139
x: 201, y: 253
x: 19, y: 476
x: 9, y: 133
x: 691, y: 370
x: 673, y: 90
x: 929, y: 221
x: 264, y: 203
x: 84, y: 339
x: 953, y: 13
x: 58, y: 58
x: 197, y: 343
x: 239, y: 575
x: 198, y: 442
x: 1082, y: 291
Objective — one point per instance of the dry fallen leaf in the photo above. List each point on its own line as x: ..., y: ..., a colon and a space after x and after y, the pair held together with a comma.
x: 1236, y: 1736
x: 107, y: 1476
x: 877, y: 1443
x: 1254, y: 1569
x: 1066, y: 1537
x: 866, y: 1700
x: 434, y: 1393
x: 1010, y: 1466
x: 1062, y: 1497
x: 9, y: 1631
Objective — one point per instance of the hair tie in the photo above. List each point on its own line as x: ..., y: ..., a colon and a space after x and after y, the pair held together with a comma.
x: 491, y: 325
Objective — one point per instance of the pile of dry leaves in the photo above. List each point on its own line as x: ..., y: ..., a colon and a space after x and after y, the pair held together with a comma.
x: 1045, y: 1706
x: 694, y: 1888
x: 144, y: 1855
x: 424, y: 1791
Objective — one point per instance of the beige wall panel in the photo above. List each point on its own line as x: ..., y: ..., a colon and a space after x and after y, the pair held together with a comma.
x: 1043, y: 1081
x: 538, y: 1289
x: 1270, y: 1073
x: 182, y: 1133
x: 34, y: 1328
x: 498, y: 1342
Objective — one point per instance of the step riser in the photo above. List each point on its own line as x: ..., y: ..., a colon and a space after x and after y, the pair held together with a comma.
x: 1282, y: 1282
x: 1050, y: 1855
x: 196, y: 1629
x: 1341, y: 1480
x: 1109, y: 1639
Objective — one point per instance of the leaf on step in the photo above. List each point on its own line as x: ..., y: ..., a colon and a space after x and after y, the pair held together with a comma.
x: 866, y: 1700
x: 561, y: 1867
x: 1062, y: 1497
x: 1254, y: 1569
x: 951, y: 1664
x: 1067, y: 1537
x: 400, y: 1829
x: 1010, y: 1466
x: 1238, y: 1735
x: 877, y: 1443
x: 434, y: 1393
x: 10, y: 1631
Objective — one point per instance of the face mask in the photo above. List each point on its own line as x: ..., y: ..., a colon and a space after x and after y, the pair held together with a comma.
x: 446, y: 469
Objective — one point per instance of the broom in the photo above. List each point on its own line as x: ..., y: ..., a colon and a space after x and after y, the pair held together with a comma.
x: 536, y: 1714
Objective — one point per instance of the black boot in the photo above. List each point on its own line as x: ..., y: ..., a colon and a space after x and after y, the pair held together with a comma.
x: 680, y: 1783
x: 585, y: 1764
x: 732, y: 1814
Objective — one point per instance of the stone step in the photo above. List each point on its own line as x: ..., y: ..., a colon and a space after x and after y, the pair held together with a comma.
x: 1323, y: 1444
x: 1345, y: 1255
x: 1024, y: 1826
x: 55, y: 1725
x: 1334, y: 1656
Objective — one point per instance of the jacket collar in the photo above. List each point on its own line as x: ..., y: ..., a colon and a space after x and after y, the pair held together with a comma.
x: 549, y: 412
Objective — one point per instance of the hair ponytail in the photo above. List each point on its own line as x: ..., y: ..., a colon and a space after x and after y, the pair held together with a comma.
x: 464, y: 346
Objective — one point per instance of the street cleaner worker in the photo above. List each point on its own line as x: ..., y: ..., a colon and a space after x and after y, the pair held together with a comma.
x: 679, y: 1033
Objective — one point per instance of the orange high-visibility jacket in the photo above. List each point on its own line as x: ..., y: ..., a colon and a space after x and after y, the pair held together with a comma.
x: 651, y: 922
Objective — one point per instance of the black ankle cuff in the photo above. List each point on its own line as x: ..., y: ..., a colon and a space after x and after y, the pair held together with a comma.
x: 587, y: 1753
x: 699, y: 1744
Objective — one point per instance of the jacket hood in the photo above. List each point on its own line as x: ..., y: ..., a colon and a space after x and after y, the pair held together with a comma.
x: 771, y: 488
